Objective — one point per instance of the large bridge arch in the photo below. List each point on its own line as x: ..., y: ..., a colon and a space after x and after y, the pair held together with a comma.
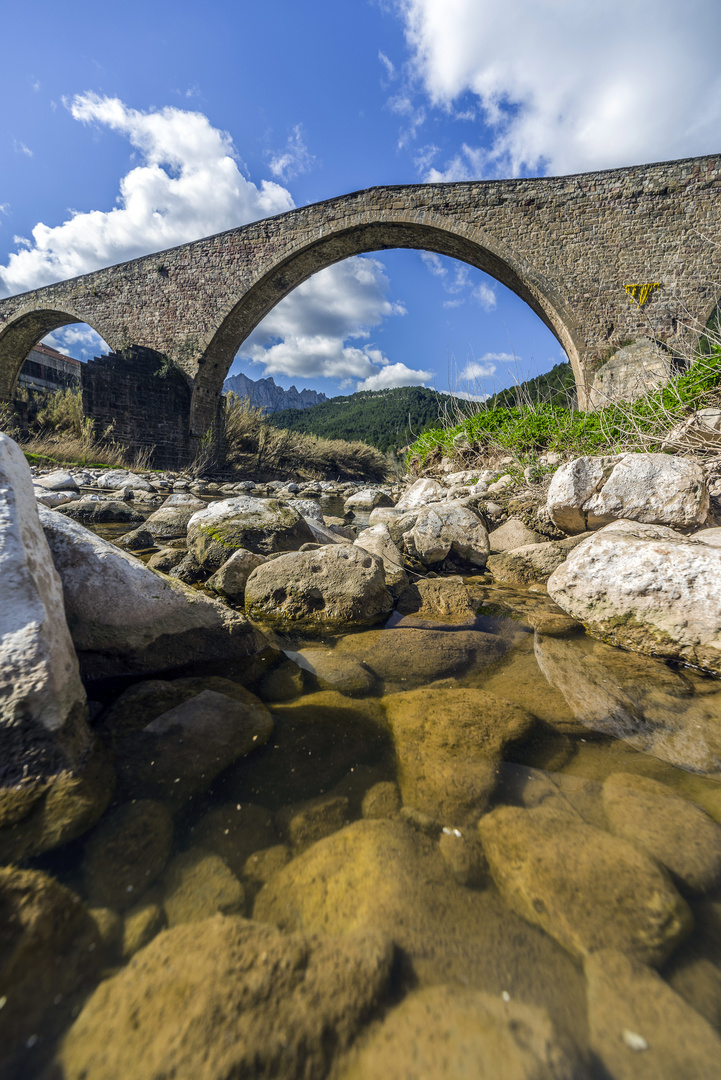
x: 359, y: 234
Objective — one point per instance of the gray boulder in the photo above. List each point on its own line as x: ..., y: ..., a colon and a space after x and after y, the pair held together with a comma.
x: 367, y: 499
x: 449, y: 529
x: 264, y: 526
x: 336, y: 585
x: 420, y: 493
x: 126, y: 618
x: 376, y: 540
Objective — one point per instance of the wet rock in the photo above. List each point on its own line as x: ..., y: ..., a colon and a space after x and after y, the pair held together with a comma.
x: 101, y: 512
x: 230, y: 580
x: 170, y: 521
x: 334, y: 586
x: 227, y: 997
x: 166, y: 559
x: 450, y: 529
x: 110, y: 929
x: 657, y: 489
x: 377, y: 541
x: 384, y: 875
x: 126, y: 852
x: 49, y: 958
x: 50, y: 761
x: 437, y: 599
x: 463, y: 856
x: 640, y: 1029
x: 532, y: 564
x: 672, y: 830
x: 448, y: 745
x: 180, y: 752
x: 263, y: 526
x: 234, y: 831
x: 334, y: 671
x: 282, y: 682
x: 262, y: 865
x: 141, y: 924
x: 306, y: 823
x: 609, y: 894
x: 647, y: 588
x: 125, y: 618
x: 316, y: 741
x: 698, y: 981
x: 634, y: 698
x: 199, y: 884
x: 420, y: 493
x: 142, y: 702
x: 382, y: 800
x: 406, y: 658
x: 452, y: 1033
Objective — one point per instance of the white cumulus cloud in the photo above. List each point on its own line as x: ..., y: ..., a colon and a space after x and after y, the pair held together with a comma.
x: 162, y: 202
x: 395, y: 375
x: 568, y: 86
x: 312, y: 333
x: 77, y: 340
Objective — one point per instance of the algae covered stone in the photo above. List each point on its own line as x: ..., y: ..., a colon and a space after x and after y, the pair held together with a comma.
x: 227, y: 997
x: 587, y: 889
x: 448, y: 745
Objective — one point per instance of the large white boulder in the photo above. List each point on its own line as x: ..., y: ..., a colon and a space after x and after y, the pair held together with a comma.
x: 657, y: 489
x: 126, y: 618
x: 45, y: 743
x: 449, y: 528
x: 367, y: 499
x: 119, y: 479
x: 648, y: 588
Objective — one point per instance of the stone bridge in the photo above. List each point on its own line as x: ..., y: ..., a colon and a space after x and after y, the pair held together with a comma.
x: 602, y: 258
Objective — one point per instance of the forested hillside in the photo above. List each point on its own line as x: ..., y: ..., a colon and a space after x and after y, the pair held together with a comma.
x: 387, y: 419
x: 557, y: 386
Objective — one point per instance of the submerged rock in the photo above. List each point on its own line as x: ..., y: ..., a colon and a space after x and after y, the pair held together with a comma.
x: 234, y: 831
x: 647, y: 588
x: 640, y: 1029
x: 126, y: 852
x: 384, y: 875
x: 227, y: 997
x: 127, y: 619
x: 199, y: 884
x: 448, y: 746
x: 585, y: 888
x: 657, y: 489
x: 50, y: 957
x: 333, y: 586
x: 672, y: 830
x: 453, y: 1033
x: 54, y: 783
x: 438, y: 599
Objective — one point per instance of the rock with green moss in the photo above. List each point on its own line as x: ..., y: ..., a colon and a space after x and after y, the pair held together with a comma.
x: 263, y: 526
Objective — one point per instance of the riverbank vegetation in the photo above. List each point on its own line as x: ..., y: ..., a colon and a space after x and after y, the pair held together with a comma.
x: 534, y: 425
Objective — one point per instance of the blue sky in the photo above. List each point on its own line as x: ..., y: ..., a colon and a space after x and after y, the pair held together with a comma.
x: 132, y: 128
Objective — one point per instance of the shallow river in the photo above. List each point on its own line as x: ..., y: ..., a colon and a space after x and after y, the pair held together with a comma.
x: 597, y: 864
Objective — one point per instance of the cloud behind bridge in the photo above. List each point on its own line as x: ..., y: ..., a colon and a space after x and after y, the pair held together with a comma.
x: 558, y: 86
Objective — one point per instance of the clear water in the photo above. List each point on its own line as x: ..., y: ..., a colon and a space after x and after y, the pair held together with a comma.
x: 562, y: 713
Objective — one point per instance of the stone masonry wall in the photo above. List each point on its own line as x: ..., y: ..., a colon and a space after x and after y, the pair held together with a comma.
x: 569, y: 246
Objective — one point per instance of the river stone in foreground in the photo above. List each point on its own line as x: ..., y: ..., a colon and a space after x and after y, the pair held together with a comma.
x: 333, y: 586
x: 585, y: 888
x: 125, y: 618
x: 640, y: 1029
x: 46, y: 748
x: 657, y: 489
x: 226, y: 997
x: 647, y: 588
x: 454, y: 1033
x: 263, y: 526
